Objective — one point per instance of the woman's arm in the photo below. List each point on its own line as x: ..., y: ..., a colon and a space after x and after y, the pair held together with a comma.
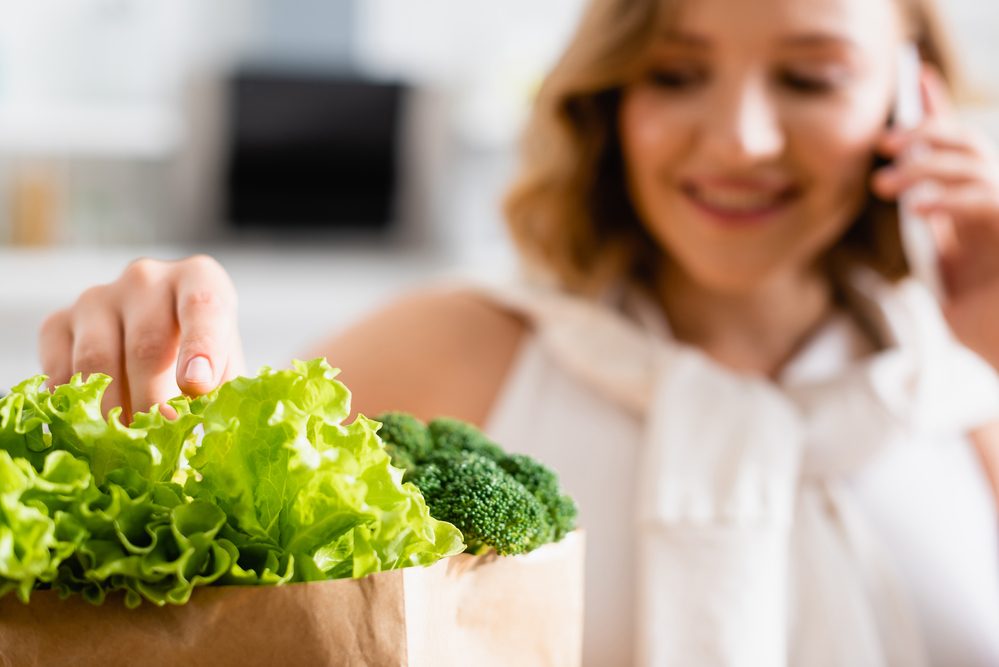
x: 168, y: 326
x: 435, y: 353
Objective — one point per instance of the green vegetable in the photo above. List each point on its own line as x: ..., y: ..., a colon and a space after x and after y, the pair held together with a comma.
x: 275, y: 488
x: 36, y: 532
x: 491, y: 508
x: 543, y: 484
x: 406, y: 438
x: 457, y: 435
x: 510, y: 503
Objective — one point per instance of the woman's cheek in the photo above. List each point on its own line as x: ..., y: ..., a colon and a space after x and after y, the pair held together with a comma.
x: 648, y: 132
x: 838, y: 147
x: 657, y: 134
x: 649, y: 127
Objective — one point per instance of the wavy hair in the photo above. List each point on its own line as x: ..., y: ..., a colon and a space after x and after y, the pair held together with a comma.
x: 568, y: 210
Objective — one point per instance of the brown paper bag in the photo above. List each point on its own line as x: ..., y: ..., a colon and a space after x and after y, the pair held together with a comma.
x: 464, y: 610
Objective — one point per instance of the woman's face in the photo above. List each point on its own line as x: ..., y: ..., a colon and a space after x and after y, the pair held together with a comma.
x: 749, y: 131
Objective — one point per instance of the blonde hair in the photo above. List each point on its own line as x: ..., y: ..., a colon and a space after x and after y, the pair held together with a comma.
x: 568, y: 210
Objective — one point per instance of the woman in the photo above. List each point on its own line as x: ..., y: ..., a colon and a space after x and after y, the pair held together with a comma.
x: 799, y: 435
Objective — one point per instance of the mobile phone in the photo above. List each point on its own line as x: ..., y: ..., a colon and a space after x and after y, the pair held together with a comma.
x: 917, y: 238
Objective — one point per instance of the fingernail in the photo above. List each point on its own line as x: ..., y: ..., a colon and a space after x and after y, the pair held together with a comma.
x: 199, y: 371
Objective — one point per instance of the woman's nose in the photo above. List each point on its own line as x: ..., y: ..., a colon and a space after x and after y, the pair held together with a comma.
x: 744, y: 127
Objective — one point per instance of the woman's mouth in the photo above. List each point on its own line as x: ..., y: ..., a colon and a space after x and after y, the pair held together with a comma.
x: 739, y: 205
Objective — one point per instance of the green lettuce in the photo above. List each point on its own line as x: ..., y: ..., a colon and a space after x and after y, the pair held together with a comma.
x: 259, y: 482
x: 37, y: 533
x: 305, y: 492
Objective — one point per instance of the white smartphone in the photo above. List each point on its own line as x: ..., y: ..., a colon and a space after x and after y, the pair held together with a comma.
x: 917, y: 238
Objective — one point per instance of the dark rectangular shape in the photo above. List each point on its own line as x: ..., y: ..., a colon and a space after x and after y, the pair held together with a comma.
x: 312, y: 151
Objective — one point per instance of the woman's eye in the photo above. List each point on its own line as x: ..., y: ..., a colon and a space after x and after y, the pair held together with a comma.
x: 808, y: 83
x: 675, y: 79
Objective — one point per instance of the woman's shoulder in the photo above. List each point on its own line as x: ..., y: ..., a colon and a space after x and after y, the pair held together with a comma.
x: 430, y: 353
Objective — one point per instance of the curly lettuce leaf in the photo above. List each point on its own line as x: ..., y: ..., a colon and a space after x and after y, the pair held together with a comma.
x: 303, y: 491
x: 36, y: 532
x: 148, y: 540
x: 277, y: 489
x: 35, y: 420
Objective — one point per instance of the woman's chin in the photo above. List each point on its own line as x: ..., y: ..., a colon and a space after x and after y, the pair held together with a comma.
x: 733, y: 278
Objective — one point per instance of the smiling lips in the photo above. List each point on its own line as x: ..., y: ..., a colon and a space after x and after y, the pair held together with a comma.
x: 738, y: 203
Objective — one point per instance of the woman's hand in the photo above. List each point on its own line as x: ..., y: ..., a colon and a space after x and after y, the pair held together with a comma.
x: 953, y: 179
x: 159, y: 329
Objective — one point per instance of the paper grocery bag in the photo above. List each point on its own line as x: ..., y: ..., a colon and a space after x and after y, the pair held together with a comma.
x: 464, y: 610
x: 518, y: 611
x: 302, y: 624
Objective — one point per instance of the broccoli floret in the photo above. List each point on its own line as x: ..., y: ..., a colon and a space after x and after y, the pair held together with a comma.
x: 406, y: 438
x: 542, y: 482
x: 452, y: 434
x: 512, y: 504
x: 488, y: 506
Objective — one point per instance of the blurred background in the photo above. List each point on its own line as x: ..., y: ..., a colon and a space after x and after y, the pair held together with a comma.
x: 328, y: 152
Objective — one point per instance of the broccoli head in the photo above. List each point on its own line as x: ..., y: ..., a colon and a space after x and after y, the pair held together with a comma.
x: 510, y: 503
x: 406, y: 438
x: 543, y: 484
x: 488, y: 506
x: 453, y: 434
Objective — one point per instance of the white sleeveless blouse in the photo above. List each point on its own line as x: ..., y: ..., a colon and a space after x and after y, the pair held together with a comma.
x: 836, y: 517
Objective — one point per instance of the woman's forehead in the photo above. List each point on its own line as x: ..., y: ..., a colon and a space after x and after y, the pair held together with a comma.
x: 862, y: 22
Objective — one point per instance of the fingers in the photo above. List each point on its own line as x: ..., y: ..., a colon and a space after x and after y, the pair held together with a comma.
x: 162, y: 327
x: 968, y: 203
x: 943, y: 168
x: 96, y: 348
x: 935, y: 134
x: 940, y: 131
x: 206, y: 315
x: 55, y: 348
x: 151, y: 336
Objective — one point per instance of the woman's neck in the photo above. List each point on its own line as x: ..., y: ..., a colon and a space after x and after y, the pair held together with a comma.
x: 756, y: 332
